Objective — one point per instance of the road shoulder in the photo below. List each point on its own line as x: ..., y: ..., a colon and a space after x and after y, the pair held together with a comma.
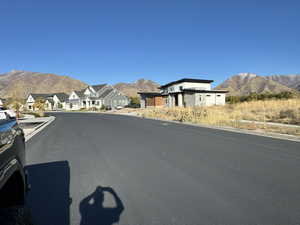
x: 44, y: 122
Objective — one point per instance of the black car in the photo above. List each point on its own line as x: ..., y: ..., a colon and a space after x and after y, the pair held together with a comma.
x: 13, y: 178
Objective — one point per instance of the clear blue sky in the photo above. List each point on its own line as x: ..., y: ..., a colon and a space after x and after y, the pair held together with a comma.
x: 113, y: 41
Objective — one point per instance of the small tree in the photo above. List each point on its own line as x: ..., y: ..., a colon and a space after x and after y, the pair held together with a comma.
x: 15, y: 102
x: 135, y: 102
x: 39, y: 104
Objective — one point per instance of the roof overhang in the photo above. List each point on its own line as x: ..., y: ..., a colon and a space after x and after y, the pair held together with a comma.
x: 150, y: 94
x: 189, y: 80
x: 205, y: 91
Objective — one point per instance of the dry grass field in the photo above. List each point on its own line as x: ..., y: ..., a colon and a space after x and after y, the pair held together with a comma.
x: 278, y: 111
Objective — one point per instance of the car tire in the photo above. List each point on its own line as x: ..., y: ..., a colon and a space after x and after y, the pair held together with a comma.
x: 18, y: 215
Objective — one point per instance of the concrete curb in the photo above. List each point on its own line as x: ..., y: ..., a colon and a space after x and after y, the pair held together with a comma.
x: 270, y: 123
x: 225, y: 128
x: 39, y: 128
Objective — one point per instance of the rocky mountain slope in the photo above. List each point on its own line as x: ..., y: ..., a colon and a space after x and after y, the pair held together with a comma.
x: 246, y: 83
x: 131, y: 89
x: 21, y: 83
x: 291, y: 81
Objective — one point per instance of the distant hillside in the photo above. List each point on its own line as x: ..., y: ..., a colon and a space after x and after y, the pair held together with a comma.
x: 131, y: 89
x: 246, y: 83
x: 291, y: 81
x: 21, y: 83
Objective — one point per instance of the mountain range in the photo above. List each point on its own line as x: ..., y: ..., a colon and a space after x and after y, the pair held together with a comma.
x: 131, y: 89
x: 246, y: 83
x: 20, y: 83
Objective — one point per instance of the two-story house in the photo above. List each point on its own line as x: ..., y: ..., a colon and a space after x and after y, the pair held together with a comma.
x: 187, y: 92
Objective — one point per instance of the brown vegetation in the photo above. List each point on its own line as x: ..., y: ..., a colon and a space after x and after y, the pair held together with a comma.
x: 279, y: 111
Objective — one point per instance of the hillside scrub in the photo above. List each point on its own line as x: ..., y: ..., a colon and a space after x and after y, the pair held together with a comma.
x: 262, y: 96
x: 279, y: 111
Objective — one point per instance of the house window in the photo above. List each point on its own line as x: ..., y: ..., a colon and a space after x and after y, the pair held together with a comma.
x: 200, y: 99
x: 93, y: 102
x: 218, y: 95
x: 207, y: 95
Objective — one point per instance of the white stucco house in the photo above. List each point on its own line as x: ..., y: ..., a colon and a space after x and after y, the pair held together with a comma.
x: 96, y: 96
x: 186, y: 92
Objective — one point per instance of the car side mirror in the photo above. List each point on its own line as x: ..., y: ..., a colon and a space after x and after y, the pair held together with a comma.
x: 3, y: 116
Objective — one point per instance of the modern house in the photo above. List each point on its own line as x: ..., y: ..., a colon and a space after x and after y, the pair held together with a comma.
x: 186, y: 92
x: 55, y: 101
x: 97, y: 96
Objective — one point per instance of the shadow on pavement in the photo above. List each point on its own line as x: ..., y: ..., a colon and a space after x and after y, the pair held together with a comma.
x: 93, y: 211
x: 49, y: 198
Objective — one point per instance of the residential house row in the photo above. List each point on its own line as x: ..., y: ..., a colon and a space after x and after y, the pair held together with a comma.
x: 91, y: 97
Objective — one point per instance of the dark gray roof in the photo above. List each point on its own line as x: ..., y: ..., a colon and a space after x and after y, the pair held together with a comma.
x: 80, y: 93
x: 205, y: 91
x: 150, y: 94
x: 186, y: 80
x: 98, y: 87
x: 106, y: 92
x: 43, y: 96
x: 61, y: 96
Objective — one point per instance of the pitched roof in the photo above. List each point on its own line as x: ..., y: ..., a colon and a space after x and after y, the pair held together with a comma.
x: 186, y: 80
x: 80, y: 93
x: 106, y: 92
x: 98, y: 87
x: 37, y: 96
x: 61, y: 96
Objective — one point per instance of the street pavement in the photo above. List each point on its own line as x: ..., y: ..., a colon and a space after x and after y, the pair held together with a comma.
x: 104, y: 169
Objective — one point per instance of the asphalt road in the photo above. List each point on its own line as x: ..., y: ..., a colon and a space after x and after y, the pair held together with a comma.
x: 159, y: 173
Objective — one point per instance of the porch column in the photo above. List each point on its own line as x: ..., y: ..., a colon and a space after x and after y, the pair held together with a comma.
x: 169, y: 101
x: 173, y: 101
x: 180, y: 100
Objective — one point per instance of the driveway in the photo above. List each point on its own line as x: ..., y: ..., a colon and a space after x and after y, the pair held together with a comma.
x: 106, y: 169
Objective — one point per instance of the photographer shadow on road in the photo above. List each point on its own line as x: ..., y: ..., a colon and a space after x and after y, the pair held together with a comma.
x: 92, y: 208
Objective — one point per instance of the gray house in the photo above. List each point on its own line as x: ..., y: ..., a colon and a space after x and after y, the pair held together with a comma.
x: 97, y: 96
x: 112, y: 98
